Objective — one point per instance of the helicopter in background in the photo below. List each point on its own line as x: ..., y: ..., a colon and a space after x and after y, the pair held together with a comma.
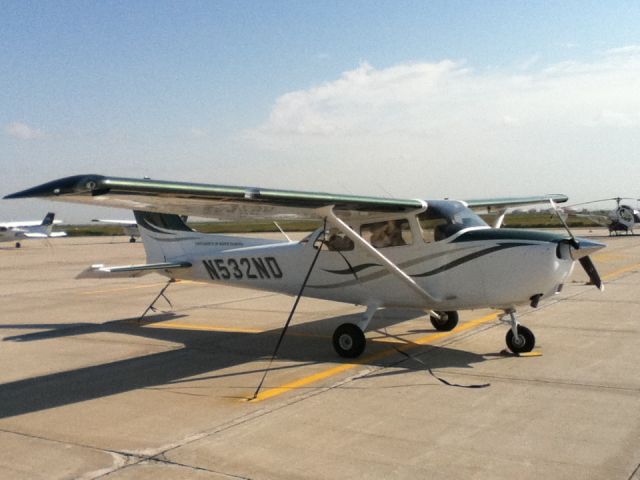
x: 621, y: 219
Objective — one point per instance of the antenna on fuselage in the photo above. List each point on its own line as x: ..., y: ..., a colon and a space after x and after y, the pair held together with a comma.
x: 282, y: 231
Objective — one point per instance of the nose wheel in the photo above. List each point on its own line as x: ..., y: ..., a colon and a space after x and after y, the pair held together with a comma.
x: 524, y: 342
x: 519, y: 338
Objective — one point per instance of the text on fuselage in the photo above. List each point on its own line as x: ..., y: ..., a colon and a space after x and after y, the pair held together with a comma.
x: 256, y: 268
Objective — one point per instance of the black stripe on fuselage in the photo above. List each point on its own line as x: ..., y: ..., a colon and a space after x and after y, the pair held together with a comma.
x: 356, y: 269
x: 472, y: 256
x: 508, y: 234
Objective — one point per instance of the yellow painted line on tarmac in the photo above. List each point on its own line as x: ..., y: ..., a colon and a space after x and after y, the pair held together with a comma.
x: 212, y: 328
x: 197, y: 282
x: 620, y: 271
x: 330, y: 372
x: 608, y: 257
x: 122, y: 289
x: 190, y: 326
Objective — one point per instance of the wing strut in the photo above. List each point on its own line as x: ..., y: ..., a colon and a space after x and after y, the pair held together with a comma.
x: 286, y: 325
x: 388, y: 264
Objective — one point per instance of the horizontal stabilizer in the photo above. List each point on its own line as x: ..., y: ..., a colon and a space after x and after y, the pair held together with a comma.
x: 101, y: 271
x: 43, y: 235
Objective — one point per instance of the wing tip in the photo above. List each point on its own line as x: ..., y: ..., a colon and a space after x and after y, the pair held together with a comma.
x: 66, y: 185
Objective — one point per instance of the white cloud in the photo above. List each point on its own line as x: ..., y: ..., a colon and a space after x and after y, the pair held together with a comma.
x: 627, y: 50
x: 22, y: 131
x: 530, y: 62
x: 196, y: 132
x: 415, y: 98
x: 559, y: 123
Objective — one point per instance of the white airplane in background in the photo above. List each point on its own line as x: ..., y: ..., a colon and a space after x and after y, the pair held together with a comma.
x: 16, y: 231
x: 129, y: 227
x: 437, y: 256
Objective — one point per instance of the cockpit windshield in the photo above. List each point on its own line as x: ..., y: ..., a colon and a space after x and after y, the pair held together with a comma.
x: 444, y: 218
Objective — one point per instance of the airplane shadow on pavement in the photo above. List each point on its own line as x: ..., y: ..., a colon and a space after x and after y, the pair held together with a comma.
x: 203, y: 353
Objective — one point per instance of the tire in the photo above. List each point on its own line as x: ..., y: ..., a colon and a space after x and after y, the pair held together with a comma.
x: 447, y: 321
x: 132, y: 240
x: 525, y: 341
x: 349, y: 340
x: 18, y: 245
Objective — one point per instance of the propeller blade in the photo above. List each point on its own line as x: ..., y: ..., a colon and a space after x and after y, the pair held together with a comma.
x: 590, y: 268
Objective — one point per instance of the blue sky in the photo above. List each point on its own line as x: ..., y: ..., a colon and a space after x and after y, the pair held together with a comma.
x: 464, y: 99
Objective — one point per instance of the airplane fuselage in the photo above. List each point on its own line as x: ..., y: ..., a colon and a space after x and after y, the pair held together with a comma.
x: 475, y: 269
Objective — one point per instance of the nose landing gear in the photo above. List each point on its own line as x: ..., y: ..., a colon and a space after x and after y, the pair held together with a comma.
x: 519, y: 338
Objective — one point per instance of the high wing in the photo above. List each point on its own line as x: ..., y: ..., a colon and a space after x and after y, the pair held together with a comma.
x: 232, y: 202
x: 26, y: 223
x: 509, y: 202
x: 122, y: 223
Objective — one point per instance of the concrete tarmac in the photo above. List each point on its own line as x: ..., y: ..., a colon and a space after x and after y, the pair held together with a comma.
x: 89, y: 391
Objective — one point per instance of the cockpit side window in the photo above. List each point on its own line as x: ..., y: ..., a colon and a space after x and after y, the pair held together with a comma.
x: 331, y: 239
x: 432, y: 228
x: 389, y: 233
x: 443, y: 219
x: 337, y: 241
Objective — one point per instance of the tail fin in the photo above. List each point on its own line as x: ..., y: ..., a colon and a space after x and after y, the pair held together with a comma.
x: 48, y: 219
x: 163, y: 235
x: 167, y: 238
x: 165, y: 221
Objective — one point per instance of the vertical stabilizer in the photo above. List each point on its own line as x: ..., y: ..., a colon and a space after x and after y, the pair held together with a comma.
x: 163, y: 235
x: 48, y: 219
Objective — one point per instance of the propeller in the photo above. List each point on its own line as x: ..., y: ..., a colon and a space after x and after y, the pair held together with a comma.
x: 580, y: 250
x: 590, y: 268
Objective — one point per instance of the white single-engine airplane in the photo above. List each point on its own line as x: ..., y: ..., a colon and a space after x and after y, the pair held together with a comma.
x: 437, y: 256
x: 16, y: 231
x: 129, y: 227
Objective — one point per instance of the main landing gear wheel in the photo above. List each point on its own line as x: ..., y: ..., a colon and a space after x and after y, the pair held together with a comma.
x: 349, y: 340
x: 447, y: 321
x: 523, y: 343
x: 132, y: 240
x: 18, y: 245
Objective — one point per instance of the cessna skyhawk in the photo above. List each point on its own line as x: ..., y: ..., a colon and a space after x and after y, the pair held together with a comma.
x: 434, y: 255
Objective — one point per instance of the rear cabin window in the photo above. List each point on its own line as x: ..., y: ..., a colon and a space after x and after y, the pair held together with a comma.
x: 390, y: 233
